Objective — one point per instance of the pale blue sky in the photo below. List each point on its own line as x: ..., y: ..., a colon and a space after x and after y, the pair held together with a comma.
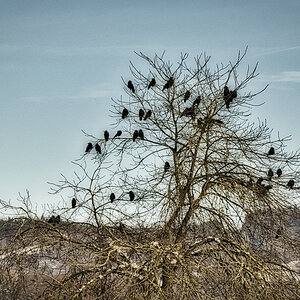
x: 62, y: 61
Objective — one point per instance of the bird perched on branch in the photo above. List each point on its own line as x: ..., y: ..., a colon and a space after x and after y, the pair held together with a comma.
x: 279, y: 172
x: 152, y: 83
x: 188, y: 112
x: 270, y: 174
x: 135, y: 135
x: 112, y: 197
x: 131, y: 195
x: 119, y: 133
x: 228, y: 96
x: 124, y: 113
x: 197, y: 101
x: 271, y: 151
x: 106, y: 135
x: 73, y: 203
x: 186, y: 96
x: 148, y: 115
x: 89, y: 147
x: 141, y: 114
x: 291, y: 183
x: 141, y: 134
x: 98, y: 148
x: 169, y: 83
x: 130, y: 86
x: 167, y: 166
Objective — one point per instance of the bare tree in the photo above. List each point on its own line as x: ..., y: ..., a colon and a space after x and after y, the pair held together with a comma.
x: 165, y: 200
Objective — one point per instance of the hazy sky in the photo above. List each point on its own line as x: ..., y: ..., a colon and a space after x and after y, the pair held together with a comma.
x: 62, y: 61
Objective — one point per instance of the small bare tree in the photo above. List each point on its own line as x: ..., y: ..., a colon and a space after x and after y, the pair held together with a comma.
x: 167, y: 193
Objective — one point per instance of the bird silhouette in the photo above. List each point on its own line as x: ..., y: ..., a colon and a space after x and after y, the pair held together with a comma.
x: 135, y: 135
x: 106, y: 135
x: 148, y: 115
x: 98, y: 148
x: 271, y: 151
x: 228, y: 96
x: 54, y: 220
x: 119, y: 133
x: 197, y: 101
x: 141, y: 134
x: 130, y: 86
x: 270, y: 174
x: 112, y: 197
x: 279, y: 172
x: 167, y: 166
x: 169, y: 83
x: 152, y: 83
x: 125, y: 113
x: 291, y: 183
x: 89, y: 147
x: 51, y: 220
x: 131, y: 195
x: 188, y: 112
x: 226, y: 92
x: 141, y: 114
x: 186, y: 96
x: 73, y: 203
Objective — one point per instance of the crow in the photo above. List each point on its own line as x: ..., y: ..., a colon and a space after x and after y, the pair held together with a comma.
x: 141, y: 134
x: 148, y: 115
x: 130, y: 86
x: 119, y: 133
x: 98, y: 148
x: 124, y: 113
x: 197, y: 101
x: 169, y: 83
x: 152, y: 83
x: 131, y: 195
x: 270, y: 174
x: 141, y: 114
x: 89, y: 147
x: 51, y: 220
x: 291, y: 183
x: 271, y: 151
x: 167, y: 166
x: 226, y: 92
x: 188, y: 112
x: 186, y: 96
x: 106, y: 135
x: 279, y: 172
x: 135, y: 135
x: 112, y: 197
x: 73, y: 203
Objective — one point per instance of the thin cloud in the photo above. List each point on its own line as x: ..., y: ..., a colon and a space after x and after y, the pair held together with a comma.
x: 270, y: 51
x: 292, y: 76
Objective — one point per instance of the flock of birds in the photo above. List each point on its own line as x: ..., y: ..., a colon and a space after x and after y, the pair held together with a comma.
x: 228, y: 97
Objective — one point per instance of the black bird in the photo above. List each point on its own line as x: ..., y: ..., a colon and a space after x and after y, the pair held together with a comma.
x: 226, y: 92
x: 119, y: 133
x: 98, y: 148
x: 130, y: 86
x: 188, y: 112
x: 148, y: 115
x: 169, y: 83
x: 197, y: 101
x: 131, y: 195
x: 167, y: 166
x: 152, y: 83
x: 291, y: 183
x: 141, y: 134
x: 73, y: 203
x: 271, y: 151
x: 279, y: 172
x: 186, y: 96
x: 54, y: 220
x: 89, y: 147
x: 106, y: 135
x: 125, y: 113
x: 135, y: 135
x: 112, y: 197
x: 141, y: 114
x: 51, y: 220
x: 270, y: 174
